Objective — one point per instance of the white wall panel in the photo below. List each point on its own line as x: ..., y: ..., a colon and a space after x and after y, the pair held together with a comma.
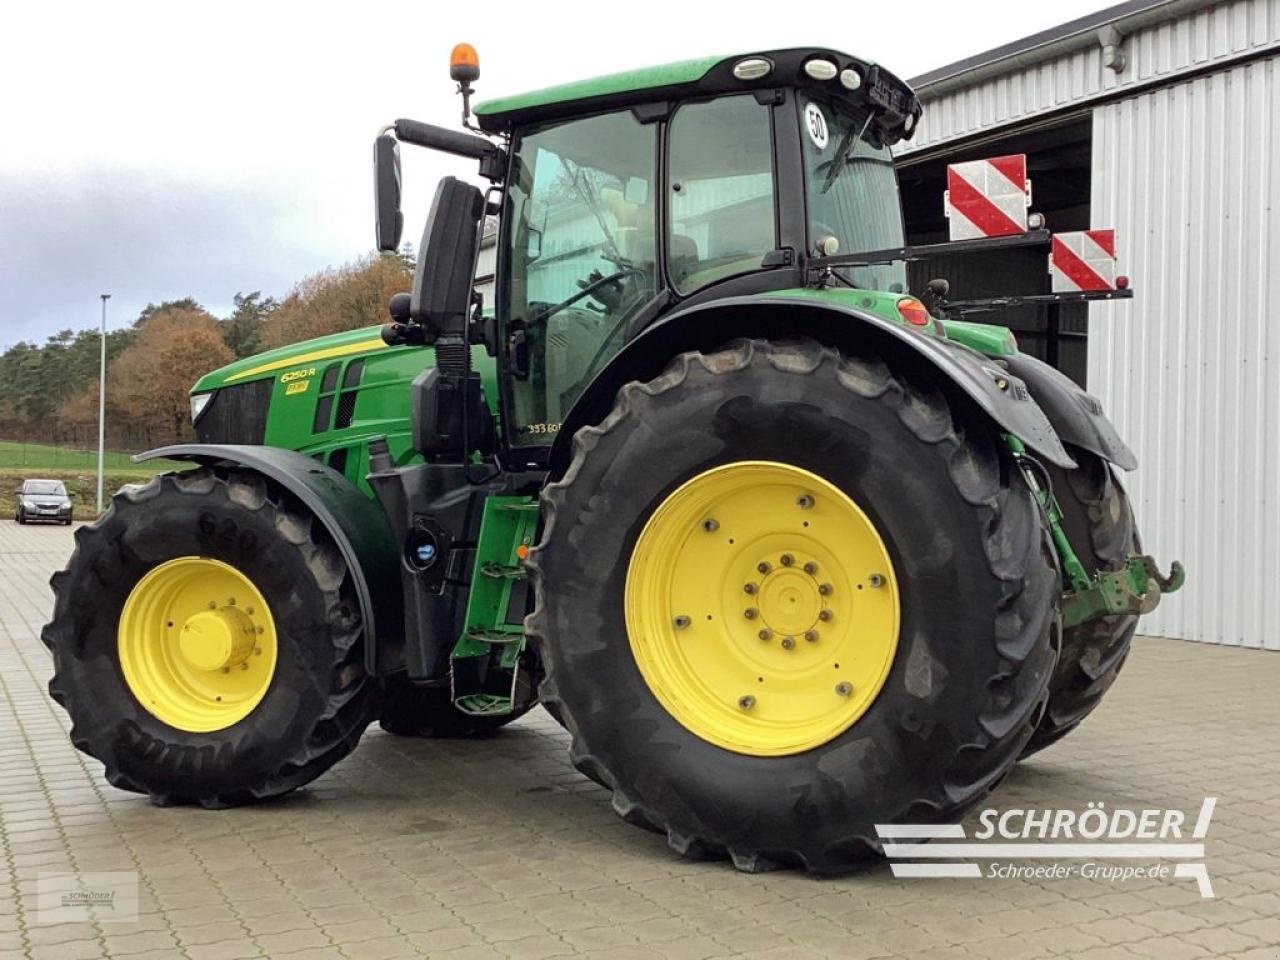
x: 1216, y: 34
x: 1189, y: 370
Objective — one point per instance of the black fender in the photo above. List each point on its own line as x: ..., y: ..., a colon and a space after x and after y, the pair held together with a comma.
x: 1075, y: 414
x: 356, y: 523
x: 996, y: 391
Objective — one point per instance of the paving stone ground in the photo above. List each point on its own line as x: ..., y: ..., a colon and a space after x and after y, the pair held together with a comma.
x: 499, y: 849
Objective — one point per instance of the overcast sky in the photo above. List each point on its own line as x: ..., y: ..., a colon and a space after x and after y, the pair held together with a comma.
x: 156, y: 151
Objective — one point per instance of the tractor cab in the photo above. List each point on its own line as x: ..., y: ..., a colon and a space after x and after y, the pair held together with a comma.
x: 628, y: 197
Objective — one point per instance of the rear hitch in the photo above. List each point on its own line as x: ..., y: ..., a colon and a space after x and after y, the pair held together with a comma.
x: 1134, y: 589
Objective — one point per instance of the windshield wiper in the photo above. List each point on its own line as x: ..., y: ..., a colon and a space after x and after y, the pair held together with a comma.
x: 847, y: 143
x: 610, y: 244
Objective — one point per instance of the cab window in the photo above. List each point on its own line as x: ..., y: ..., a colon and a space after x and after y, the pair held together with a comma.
x: 720, y: 194
x: 581, y: 261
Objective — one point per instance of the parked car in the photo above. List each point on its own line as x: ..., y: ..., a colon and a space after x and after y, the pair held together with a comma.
x: 43, y: 500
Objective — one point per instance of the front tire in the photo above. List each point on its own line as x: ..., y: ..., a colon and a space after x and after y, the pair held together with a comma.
x: 243, y: 694
x: 972, y: 651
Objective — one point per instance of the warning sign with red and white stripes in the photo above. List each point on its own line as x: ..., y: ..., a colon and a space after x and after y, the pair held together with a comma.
x: 1084, y: 260
x: 987, y: 198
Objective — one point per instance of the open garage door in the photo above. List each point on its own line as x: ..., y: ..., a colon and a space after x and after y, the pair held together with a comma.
x: 1058, y: 164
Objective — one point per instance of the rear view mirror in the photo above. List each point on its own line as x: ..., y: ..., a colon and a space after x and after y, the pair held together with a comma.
x: 386, y: 192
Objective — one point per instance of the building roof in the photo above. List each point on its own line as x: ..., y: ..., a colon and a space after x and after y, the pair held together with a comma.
x: 1047, y: 43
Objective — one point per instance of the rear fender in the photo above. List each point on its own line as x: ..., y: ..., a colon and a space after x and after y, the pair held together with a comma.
x: 1076, y: 415
x: 1002, y: 396
x: 356, y: 523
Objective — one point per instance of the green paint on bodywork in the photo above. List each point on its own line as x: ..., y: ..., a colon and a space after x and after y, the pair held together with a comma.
x: 664, y: 75
x: 986, y: 338
x: 382, y: 397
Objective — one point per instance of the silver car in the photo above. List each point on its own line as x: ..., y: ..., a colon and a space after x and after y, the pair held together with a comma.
x: 45, y: 500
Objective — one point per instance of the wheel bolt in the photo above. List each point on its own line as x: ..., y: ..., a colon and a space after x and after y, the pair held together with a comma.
x: 257, y: 651
x: 844, y: 688
x: 811, y: 635
x: 763, y: 566
x: 825, y: 616
x: 876, y: 580
x: 213, y: 605
x: 231, y: 602
x: 788, y: 643
x: 811, y: 568
x: 746, y: 702
x: 257, y: 630
x: 244, y: 666
x: 787, y: 559
x: 749, y: 588
x: 825, y: 589
x: 682, y: 621
x: 765, y: 634
x: 710, y: 525
x: 804, y: 501
x: 226, y: 669
x: 750, y: 613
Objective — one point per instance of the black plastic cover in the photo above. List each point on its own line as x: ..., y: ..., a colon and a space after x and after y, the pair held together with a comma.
x: 1076, y: 415
x: 443, y: 277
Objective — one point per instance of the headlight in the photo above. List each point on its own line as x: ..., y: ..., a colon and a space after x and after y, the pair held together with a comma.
x: 198, y: 402
x: 28, y: 504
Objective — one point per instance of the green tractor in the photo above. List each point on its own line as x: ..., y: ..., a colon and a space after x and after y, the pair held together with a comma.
x: 788, y: 553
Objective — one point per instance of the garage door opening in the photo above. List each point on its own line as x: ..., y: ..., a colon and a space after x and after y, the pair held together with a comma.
x: 1058, y: 164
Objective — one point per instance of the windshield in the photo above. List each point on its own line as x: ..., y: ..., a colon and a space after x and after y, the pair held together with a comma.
x: 852, y: 191
x: 49, y: 487
x: 581, y: 259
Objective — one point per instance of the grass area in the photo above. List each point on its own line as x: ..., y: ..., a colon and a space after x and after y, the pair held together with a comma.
x: 39, y: 456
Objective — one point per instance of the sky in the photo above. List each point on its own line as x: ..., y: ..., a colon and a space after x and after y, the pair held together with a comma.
x: 159, y: 151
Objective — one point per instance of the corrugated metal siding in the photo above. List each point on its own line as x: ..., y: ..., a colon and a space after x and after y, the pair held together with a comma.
x: 1217, y: 34
x: 1189, y: 370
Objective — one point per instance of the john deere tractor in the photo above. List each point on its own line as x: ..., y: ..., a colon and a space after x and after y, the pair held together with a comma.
x: 789, y: 552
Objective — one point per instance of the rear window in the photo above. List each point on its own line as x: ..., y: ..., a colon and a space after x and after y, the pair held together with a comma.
x: 49, y: 487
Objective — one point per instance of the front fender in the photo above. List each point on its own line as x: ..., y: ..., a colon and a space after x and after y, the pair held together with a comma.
x: 357, y: 525
x: 999, y: 394
x: 1076, y: 415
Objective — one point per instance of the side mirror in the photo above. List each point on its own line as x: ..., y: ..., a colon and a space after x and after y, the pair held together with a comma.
x: 445, y: 272
x: 386, y: 192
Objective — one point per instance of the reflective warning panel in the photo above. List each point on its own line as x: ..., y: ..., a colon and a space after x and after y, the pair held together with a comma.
x: 987, y: 198
x: 1084, y: 260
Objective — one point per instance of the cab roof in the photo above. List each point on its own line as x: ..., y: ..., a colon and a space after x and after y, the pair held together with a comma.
x: 709, y: 76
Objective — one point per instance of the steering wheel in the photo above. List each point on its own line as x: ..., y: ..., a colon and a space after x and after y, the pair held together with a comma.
x: 587, y: 291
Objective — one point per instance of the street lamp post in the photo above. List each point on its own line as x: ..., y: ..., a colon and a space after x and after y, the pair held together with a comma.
x: 102, y: 399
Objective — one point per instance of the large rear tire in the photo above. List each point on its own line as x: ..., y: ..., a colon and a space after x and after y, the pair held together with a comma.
x: 950, y: 593
x: 1099, y: 523
x: 207, y: 641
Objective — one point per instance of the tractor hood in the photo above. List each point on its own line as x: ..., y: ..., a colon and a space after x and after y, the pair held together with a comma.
x: 281, y: 359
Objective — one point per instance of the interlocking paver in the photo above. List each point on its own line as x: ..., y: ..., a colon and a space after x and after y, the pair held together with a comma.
x: 499, y: 850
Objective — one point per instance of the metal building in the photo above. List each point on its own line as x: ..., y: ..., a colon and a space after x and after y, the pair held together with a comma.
x: 1162, y: 120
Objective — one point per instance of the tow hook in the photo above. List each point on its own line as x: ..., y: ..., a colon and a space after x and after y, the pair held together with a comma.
x: 1135, y: 588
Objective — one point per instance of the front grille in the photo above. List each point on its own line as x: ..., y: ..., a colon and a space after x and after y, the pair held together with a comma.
x: 236, y: 414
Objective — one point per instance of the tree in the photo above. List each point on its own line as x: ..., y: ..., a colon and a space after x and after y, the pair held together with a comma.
x: 355, y: 295
x: 242, y: 331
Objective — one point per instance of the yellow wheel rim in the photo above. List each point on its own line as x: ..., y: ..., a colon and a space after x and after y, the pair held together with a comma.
x: 197, y: 644
x: 762, y: 608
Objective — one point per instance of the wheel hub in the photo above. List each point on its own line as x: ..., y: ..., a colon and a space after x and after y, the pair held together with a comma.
x: 216, y: 639
x: 197, y: 644
x: 762, y: 608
